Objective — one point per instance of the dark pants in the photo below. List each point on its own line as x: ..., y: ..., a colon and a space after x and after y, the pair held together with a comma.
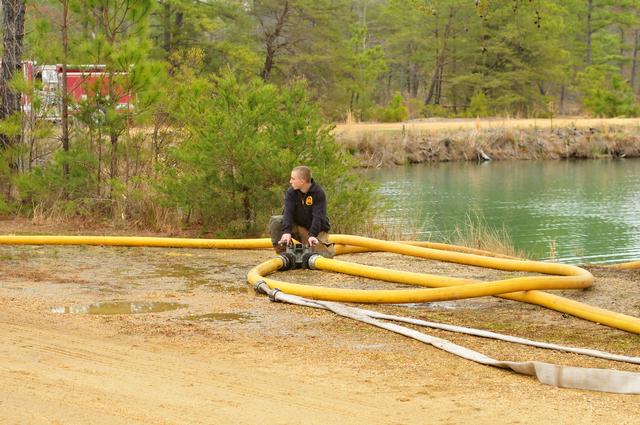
x: 301, y: 234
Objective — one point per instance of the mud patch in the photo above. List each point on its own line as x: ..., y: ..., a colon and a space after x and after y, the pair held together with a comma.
x: 118, y: 307
x: 221, y: 317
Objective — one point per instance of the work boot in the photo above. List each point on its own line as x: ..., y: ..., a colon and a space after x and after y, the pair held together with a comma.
x: 327, y: 250
x: 275, y: 231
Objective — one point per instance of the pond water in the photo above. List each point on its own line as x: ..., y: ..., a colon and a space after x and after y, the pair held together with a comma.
x: 578, y: 211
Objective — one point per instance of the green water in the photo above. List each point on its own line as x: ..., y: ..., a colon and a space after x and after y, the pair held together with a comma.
x: 590, y: 210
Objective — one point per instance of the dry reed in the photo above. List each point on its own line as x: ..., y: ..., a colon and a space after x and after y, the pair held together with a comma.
x: 384, y: 145
x: 475, y: 233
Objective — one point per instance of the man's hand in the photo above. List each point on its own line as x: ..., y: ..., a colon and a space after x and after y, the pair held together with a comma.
x: 313, y: 241
x: 285, y: 239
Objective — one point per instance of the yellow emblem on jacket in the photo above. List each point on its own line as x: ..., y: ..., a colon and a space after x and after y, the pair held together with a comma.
x: 308, y: 200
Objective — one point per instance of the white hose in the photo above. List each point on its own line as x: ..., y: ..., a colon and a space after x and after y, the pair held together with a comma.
x: 502, y: 337
x: 606, y: 380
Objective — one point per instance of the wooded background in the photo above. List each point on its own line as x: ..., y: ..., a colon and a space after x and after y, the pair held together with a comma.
x: 443, y: 57
x: 272, y: 74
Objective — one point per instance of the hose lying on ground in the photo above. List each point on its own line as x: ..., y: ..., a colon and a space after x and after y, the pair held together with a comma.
x: 606, y: 380
x: 526, y: 289
x: 626, y: 266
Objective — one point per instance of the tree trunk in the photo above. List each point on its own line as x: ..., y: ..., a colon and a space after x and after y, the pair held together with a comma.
x: 166, y: 27
x: 99, y: 169
x: 454, y: 91
x: 622, y: 44
x: 414, y: 80
x: 248, y: 210
x: 272, y: 43
x: 407, y: 80
x: 113, y: 172
x: 429, y: 95
x: 438, y: 94
x: 268, y: 64
x: 65, y: 100
x: 13, y: 20
x: 435, y: 89
x: 589, y: 31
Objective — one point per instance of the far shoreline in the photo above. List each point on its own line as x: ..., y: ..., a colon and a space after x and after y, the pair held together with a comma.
x: 378, y: 145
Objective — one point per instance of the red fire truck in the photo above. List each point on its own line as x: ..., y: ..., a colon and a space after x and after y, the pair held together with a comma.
x: 83, y: 82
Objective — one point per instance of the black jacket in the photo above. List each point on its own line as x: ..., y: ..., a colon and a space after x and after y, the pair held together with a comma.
x: 308, y: 210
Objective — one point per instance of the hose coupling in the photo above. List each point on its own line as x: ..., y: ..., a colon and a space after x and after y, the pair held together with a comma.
x: 272, y: 294
x: 259, y: 288
x: 311, y: 261
x: 295, y: 257
x: 288, y: 261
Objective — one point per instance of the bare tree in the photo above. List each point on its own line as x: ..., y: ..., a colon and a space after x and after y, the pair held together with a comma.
x: 13, y: 21
x: 435, y: 89
x: 589, y: 30
x: 273, y: 26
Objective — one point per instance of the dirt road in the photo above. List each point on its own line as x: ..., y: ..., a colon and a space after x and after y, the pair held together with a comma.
x: 231, y: 357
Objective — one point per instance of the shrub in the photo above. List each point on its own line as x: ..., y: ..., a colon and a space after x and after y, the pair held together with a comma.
x: 415, y: 108
x: 479, y: 105
x: 605, y: 93
x: 434, y: 111
x: 241, y: 142
x: 46, y: 189
x: 396, y: 111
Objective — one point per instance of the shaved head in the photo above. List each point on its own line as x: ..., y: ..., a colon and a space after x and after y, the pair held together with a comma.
x: 302, y: 172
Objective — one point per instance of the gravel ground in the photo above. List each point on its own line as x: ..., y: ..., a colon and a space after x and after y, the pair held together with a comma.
x: 226, y: 355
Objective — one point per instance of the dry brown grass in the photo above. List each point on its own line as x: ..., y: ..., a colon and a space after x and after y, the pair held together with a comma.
x: 484, y: 124
x: 379, y: 145
x: 475, y: 233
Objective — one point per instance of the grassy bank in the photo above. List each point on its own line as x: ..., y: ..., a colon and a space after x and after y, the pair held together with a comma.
x: 379, y: 145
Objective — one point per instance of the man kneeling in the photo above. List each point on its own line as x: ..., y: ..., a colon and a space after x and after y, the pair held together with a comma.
x: 304, y: 217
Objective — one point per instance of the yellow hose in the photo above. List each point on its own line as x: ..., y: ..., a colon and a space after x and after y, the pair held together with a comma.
x: 626, y: 266
x: 137, y: 241
x: 525, y: 289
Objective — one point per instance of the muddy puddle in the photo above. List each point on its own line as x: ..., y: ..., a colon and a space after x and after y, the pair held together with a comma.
x: 219, y: 277
x: 118, y: 307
